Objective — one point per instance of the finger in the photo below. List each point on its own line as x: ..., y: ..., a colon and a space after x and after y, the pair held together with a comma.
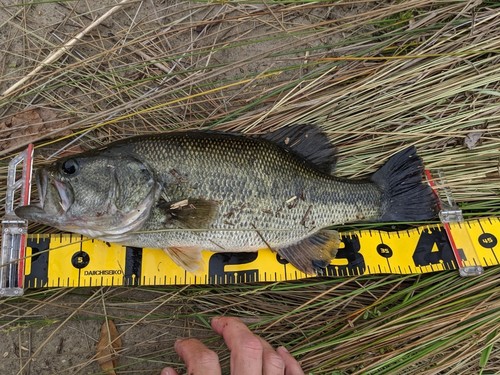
x: 246, y: 348
x: 272, y: 363
x: 198, y: 358
x: 292, y: 367
x: 168, y: 371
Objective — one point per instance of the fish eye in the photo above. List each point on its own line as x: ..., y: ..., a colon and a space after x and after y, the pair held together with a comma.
x: 69, y: 167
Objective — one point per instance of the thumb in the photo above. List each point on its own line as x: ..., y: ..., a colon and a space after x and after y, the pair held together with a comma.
x: 168, y: 371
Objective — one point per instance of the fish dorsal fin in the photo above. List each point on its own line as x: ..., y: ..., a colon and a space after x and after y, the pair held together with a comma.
x: 190, y: 213
x: 308, y: 142
x: 312, y: 253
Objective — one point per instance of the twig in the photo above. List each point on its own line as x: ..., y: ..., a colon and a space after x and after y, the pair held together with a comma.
x: 64, y: 48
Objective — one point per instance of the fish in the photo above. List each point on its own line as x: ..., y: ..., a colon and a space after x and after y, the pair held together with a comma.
x: 226, y: 192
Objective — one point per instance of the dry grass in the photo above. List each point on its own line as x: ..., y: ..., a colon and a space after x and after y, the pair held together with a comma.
x: 376, y: 76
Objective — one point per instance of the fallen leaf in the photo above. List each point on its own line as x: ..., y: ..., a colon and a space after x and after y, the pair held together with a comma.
x: 471, y: 139
x: 31, y: 125
x: 107, y: 346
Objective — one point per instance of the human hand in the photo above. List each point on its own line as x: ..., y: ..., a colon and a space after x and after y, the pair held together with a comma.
x: 250, y: 354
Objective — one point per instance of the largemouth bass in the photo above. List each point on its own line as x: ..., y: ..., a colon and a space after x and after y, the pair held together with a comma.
x: 188, y: 191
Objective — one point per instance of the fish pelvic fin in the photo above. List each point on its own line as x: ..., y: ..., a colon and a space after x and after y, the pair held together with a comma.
x: 187, y: 257
x: 190, y: 213
x: 404, y: 195
x: 308, y: 142
x: 312, y: 253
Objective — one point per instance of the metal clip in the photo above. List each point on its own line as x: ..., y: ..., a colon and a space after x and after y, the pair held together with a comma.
x: 14, y: 229
x: 452, y: 218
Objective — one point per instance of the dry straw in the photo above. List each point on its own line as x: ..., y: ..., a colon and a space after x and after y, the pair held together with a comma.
x: 376, y: 76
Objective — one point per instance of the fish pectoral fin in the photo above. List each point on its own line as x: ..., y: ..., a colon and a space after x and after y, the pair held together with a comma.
x: 308, y: 142
x: 187, y: 257
x: 312, y: 253
x: 190, y: 213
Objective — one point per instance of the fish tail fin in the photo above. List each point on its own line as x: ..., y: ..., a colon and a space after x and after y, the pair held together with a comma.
x: 404, y: 195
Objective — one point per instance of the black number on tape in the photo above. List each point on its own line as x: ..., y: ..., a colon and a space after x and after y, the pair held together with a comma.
x: 133, y: 265
x: 80, y: 259
x: 281, y: 260
x: 218, y: 262
x: 433, y: 238
x: 487, y: 240
x: 384, y: 250
x: 39, y: 261
x: 355, y: 261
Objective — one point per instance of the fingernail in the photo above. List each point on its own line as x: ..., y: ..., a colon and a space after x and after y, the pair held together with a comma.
x: 283, y: 349
x: 177, y: 342
x: 167, y: 371
x: 216, y: 320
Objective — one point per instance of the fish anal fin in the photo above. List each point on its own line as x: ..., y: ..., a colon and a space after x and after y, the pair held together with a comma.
x: 191, y: 213
x: 313, y: 252
x: 187, y: 257
x: 306, y: 141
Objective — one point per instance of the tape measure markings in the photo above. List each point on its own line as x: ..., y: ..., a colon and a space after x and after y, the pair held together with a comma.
x: 70, y: 260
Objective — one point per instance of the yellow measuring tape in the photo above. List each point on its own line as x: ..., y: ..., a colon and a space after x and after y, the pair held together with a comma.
x: 68, y: 260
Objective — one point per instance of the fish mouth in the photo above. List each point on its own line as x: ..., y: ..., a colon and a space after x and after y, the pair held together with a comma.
x: 55, y: 199
x: 54, y: 194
